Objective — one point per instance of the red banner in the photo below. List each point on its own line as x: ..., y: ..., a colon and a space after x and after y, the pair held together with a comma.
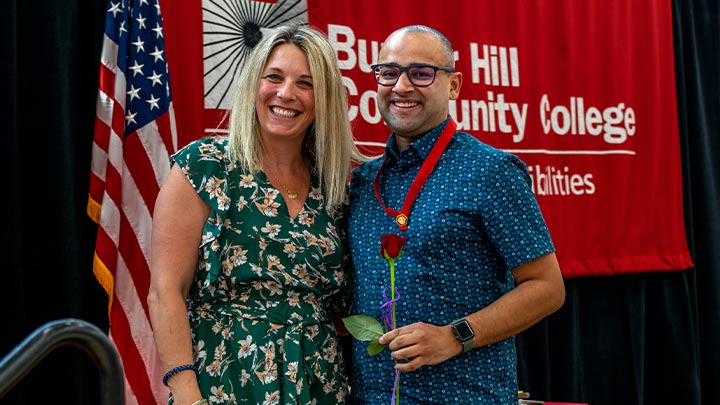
x: 583, y: 92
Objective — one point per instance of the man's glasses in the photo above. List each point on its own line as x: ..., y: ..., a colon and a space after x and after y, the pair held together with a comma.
x: 420, y: 75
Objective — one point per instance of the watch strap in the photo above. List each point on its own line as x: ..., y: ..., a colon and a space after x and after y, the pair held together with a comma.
x: 468, y: 341
x: 468, y: 344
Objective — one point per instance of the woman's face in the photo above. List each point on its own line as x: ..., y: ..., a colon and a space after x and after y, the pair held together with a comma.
x: 285, y: 101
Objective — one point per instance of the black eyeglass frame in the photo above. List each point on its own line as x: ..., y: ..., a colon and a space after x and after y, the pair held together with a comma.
x: 406, y: 69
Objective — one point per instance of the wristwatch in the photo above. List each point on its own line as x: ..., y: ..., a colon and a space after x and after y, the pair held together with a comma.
x: 463, y: 333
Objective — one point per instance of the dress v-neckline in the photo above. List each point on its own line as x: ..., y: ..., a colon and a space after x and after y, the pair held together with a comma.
x: 302, y: 197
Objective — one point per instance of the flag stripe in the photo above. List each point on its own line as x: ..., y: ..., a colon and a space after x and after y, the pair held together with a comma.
x: 141, y: 331
x: 134, y: 135
x: 168, y: 134
x: 156, y: 147
x: 136, y: 261
x: 128, y: 308
x: 133, y: 362
x: 107, y: 87
x: 141, y: 170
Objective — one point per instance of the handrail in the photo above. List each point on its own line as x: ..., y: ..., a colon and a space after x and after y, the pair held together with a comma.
x: 25, y: 356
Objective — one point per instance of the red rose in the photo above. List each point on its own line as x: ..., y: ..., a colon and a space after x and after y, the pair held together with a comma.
x: 391, y: 246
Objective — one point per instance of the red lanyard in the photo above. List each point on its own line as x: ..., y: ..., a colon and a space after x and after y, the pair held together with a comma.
x: 402, y: 216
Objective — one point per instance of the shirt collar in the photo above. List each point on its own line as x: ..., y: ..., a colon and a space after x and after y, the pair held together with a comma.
x: 423, y: 144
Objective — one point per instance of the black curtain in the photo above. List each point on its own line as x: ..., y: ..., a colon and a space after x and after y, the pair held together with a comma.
x: 50, y: 54
x: 626, y: 339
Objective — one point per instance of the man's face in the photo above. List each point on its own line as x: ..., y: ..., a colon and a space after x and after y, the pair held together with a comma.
x: 410, y: 110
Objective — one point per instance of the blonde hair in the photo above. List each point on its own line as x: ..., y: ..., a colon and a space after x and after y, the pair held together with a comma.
x: 329, y: 142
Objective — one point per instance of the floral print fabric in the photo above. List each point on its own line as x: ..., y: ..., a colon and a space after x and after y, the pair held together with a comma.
x: 266, y: 287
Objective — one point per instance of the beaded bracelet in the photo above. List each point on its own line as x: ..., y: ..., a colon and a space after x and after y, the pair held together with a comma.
x: 200, y: 401
x: 178, y: 369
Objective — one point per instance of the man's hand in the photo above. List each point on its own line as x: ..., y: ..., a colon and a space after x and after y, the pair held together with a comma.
x: 421, y: 344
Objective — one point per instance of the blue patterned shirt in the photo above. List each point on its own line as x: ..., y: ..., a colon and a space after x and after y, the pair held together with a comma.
x: 475, y: 219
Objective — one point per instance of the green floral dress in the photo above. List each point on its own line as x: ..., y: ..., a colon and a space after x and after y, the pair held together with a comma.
x: 266, y: 288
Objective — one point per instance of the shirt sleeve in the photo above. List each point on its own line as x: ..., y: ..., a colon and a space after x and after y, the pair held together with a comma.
x: 514, y: 221
x: 204, y: 162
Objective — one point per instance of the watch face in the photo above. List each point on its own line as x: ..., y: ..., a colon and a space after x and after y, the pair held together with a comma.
x: 463, y: 330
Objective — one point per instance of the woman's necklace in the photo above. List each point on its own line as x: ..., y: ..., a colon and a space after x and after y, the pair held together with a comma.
x: 291, y: 194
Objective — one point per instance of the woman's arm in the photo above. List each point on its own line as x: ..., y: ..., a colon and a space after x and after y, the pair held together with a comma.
x: 178, y: 220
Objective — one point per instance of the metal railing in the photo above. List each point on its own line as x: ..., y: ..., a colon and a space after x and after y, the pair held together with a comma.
x: 96, y: 343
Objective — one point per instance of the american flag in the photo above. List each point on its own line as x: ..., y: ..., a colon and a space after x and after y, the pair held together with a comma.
x: 134, y: 136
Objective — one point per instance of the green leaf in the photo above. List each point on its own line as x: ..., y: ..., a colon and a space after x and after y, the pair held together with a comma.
x: 363, y: 327
x: 374, y: 347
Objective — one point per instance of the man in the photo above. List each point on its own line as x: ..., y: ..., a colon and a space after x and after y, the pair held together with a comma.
x: 478, y: 266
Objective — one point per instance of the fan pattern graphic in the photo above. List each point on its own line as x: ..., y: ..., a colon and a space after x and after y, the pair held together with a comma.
x: 231, y: 29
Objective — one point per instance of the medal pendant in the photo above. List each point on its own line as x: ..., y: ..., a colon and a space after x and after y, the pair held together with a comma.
x: 401, y: 219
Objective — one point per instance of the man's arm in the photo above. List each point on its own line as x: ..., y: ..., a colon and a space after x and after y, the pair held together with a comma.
x: 539, y: 291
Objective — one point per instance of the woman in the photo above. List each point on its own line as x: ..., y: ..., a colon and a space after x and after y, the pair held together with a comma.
x: 249, y: 232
